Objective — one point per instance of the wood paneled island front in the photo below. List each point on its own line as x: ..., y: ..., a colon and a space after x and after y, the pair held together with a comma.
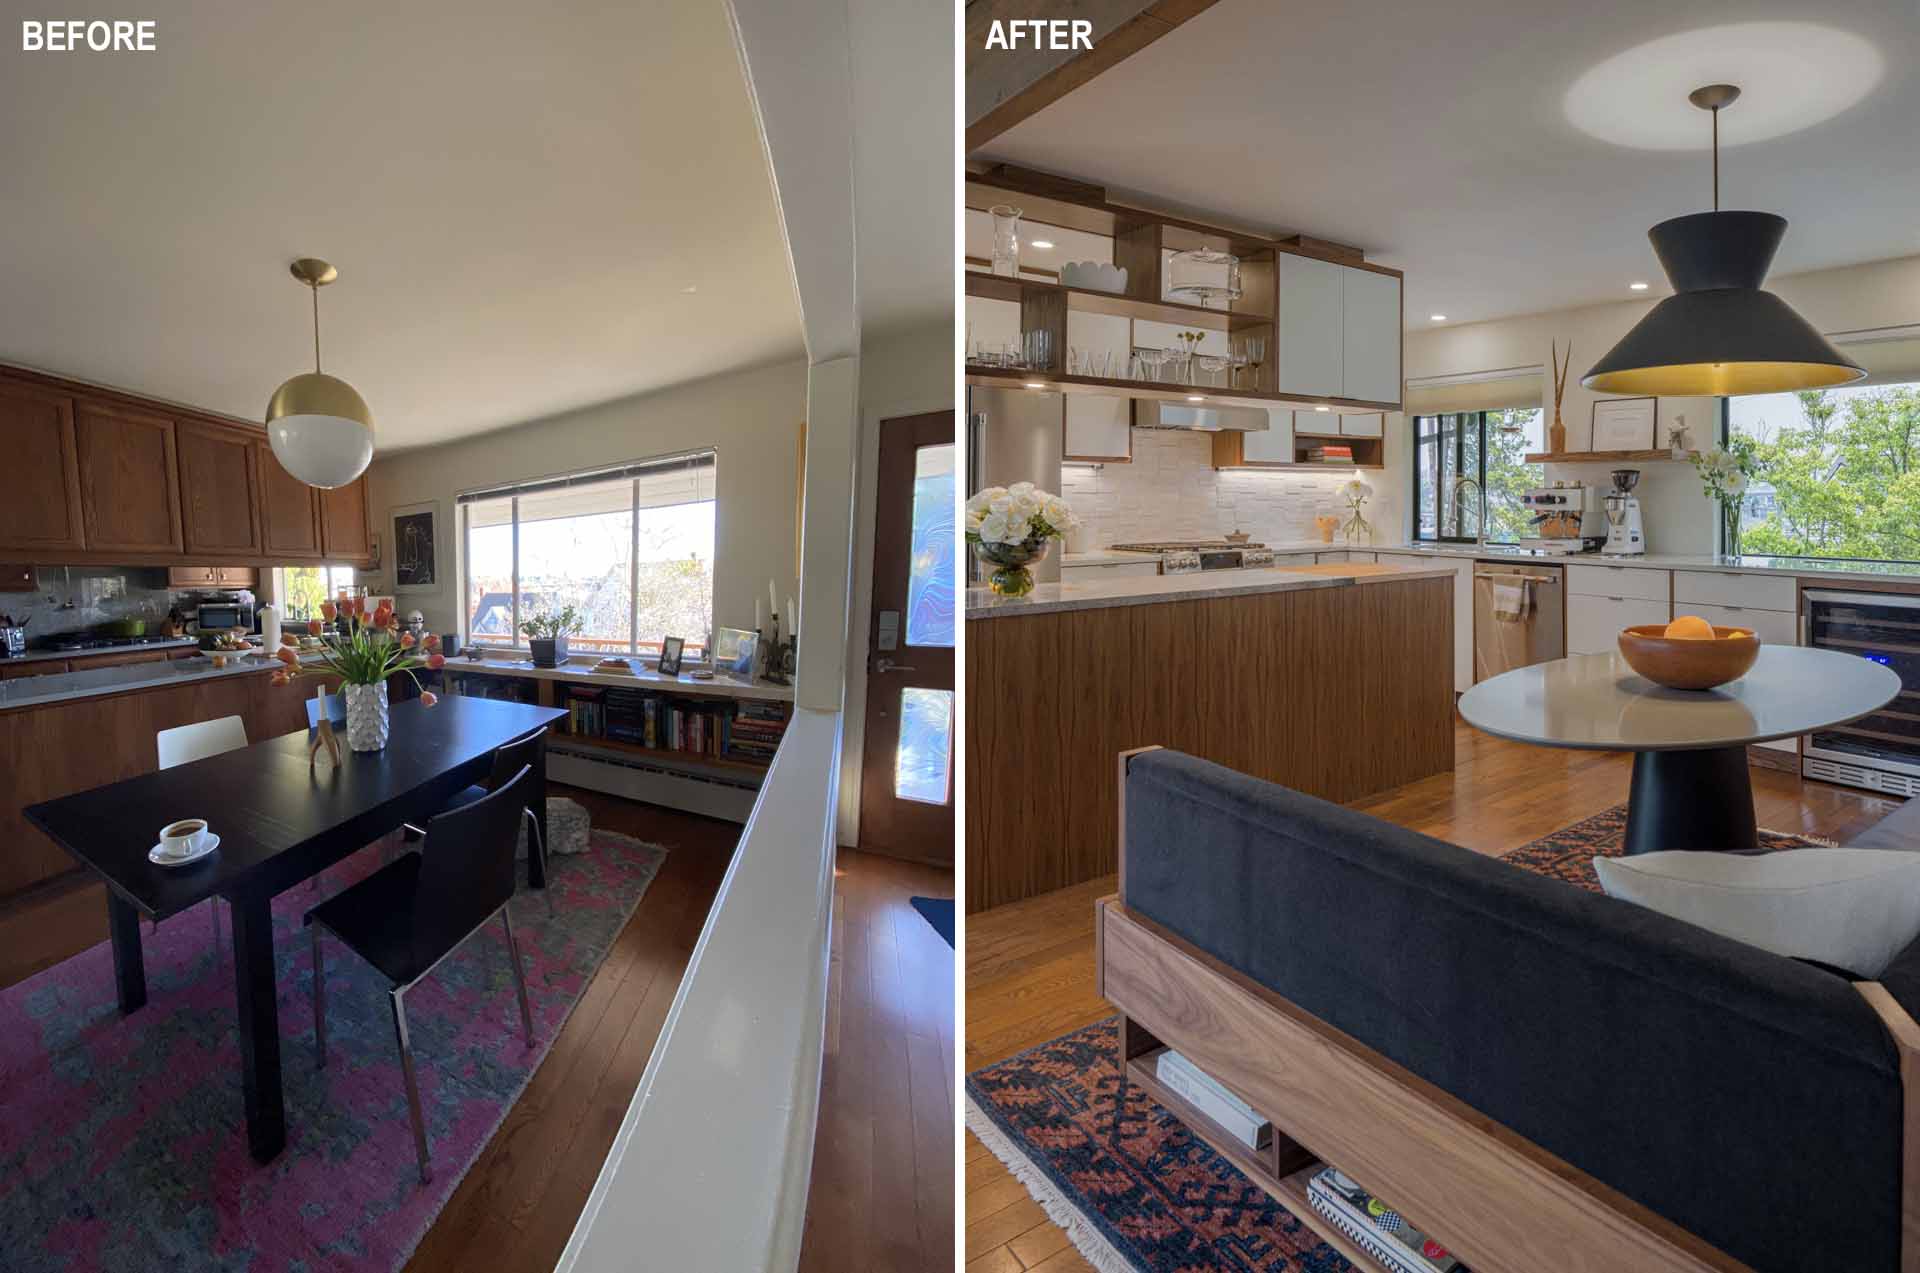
x: 1334, y: 680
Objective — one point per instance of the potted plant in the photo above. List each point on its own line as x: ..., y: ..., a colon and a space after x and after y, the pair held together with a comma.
x: 547, y: 634
x: 1011, y: 527
x: 369, y: 650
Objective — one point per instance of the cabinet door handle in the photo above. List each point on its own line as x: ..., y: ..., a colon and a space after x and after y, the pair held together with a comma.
x: 1616, y: 598
x: 1735, y: 609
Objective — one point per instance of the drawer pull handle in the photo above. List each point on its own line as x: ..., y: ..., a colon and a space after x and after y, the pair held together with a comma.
x: 1735, y: 609
x: 1616, y: 598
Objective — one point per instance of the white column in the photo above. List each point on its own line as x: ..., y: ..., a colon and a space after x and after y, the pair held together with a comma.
x: 826, y: 532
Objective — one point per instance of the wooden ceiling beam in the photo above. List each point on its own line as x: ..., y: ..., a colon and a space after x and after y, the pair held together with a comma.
x: 1006, y: 86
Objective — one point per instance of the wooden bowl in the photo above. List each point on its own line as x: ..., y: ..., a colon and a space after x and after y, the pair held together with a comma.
x: 1681, y: 664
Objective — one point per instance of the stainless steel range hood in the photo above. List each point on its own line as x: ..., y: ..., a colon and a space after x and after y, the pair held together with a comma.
x: 1199, y: 417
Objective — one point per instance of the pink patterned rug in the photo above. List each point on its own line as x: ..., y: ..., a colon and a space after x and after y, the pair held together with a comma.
x: 122, y: 1142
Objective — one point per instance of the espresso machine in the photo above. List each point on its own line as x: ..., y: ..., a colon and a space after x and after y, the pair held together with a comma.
x: 1566, y: 518
x: 1626, y: 537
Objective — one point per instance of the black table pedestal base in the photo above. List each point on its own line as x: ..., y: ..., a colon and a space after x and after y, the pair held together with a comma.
x: 1691, y: 800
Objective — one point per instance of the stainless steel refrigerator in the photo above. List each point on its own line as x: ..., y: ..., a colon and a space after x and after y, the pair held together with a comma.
x: 1015, y: 435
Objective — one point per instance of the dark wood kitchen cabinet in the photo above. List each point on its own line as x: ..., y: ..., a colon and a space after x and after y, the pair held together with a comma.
x: 17, y: 578
x: 289, y: 509
x: 40, y: 482
x: 345, y: 533
x: 129, y: 479
x: 219, y: 490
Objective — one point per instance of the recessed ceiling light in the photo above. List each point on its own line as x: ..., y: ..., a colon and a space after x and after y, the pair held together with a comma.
x: 1438, y: 318
x: 1036, y: 384
x: 1323, y: 408
x: 1195, y: 397
x: 1638, y: 287
x: 688, y: 291
x: 1796, y: 74
x: 1039, y: 243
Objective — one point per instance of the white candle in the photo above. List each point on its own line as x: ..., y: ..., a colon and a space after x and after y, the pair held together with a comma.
x: 793, y: 619
x: 773, y: 606
x: 758, y: 614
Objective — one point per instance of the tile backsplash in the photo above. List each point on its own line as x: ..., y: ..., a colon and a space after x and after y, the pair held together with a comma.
x: 1172, y: 491
x: 98, y: 595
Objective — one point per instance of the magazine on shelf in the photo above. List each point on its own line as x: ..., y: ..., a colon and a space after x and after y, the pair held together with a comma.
x: 1377, y: 1228
x: 1234, y: 1115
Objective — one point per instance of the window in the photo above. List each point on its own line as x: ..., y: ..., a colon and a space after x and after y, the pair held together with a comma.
x: 301, y: 589
x: 629, y: 548
x: 1455, y: 451
x: 1836, y: 472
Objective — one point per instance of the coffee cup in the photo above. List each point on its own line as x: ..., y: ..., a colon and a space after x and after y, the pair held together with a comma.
x: 183, y: 838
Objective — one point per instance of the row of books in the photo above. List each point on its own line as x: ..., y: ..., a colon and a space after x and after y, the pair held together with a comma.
x: 1377, y: 1228
x: 1333, y: 453
x: 749, y: 730
x: 1373, y: 1226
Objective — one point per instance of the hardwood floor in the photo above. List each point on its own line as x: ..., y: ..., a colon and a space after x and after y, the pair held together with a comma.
x: 882, y: 1194
x: 1030, y: 965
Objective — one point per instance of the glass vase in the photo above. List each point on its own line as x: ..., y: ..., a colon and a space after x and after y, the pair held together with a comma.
x: 1011, y: 576
x: 1730, y: 529
x: 367, y: 721
x: 1006, y: 240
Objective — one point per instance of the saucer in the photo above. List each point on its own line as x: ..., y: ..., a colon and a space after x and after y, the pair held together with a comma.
x: 159, y: 857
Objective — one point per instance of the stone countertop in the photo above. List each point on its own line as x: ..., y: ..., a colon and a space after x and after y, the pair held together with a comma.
x: 61, y: 687
x: 1808, y: 567
x: 1108, y: 557
x: 41, y: 656
x: 1050, y: 598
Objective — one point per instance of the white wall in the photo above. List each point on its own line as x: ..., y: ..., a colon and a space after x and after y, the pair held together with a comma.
x: 1679, y: 517
x: 751, y: 418
x: 902, y: 373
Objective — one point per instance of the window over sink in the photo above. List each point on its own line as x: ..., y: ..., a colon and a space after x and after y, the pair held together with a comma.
x: 1454, y: 452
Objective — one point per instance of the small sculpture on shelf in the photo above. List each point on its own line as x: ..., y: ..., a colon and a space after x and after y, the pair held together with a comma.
x: 1557, y: 431
x: 777, y: 667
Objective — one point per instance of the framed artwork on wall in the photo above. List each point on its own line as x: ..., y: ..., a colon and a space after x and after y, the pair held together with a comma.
x: 1624, y: 424
x: 416, y: 559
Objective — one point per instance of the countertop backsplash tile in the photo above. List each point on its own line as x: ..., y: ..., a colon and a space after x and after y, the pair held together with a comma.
x: 99, y: 595
x: 1172, y: 491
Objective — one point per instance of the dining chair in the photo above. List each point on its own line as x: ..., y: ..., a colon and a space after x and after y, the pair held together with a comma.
x: 508, y: 760
x: 203, y: 738
x: 412, y: 913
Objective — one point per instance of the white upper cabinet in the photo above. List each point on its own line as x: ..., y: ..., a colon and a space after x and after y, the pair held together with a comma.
x: 1363, y: 426
x: 1274, y: 444
x: 1371, y: 322
x: 1311, y: 328
x: 1098, y: 427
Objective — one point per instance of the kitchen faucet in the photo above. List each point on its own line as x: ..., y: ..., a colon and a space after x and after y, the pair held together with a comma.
x: 1480, y: 529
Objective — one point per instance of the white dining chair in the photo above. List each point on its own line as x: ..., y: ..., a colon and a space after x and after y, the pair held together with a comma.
x: 203, y: 738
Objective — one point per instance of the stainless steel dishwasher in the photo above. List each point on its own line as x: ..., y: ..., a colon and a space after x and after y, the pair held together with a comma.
x: 1519, y: 616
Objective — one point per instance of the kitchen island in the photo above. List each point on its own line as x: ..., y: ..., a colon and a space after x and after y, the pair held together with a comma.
x: 1334, y: 680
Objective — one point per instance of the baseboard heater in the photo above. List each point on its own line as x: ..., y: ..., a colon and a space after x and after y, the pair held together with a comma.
x: 635, y: 778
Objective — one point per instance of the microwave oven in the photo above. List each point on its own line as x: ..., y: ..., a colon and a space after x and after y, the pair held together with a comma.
x: 223, y: 613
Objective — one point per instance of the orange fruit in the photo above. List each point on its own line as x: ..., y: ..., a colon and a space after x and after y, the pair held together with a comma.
x: 1689, y: 627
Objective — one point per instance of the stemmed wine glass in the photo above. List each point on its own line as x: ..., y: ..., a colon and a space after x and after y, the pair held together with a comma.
x: 1255, y: 350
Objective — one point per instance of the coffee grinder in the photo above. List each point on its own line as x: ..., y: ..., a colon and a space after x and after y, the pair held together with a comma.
x: 1626, y: 536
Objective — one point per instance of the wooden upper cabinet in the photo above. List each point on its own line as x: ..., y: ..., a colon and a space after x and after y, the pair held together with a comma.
x: 40, y: 482
x: 129, y: 479
x: 345, y: 534
x: 289, y: 509
x: 219, y: 490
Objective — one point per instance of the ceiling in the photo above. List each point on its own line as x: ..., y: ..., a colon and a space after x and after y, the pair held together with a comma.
x: 516, y: 197
x: 1436, y: 137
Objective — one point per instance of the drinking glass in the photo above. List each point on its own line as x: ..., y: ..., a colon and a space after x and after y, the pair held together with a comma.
x: 1256, y: 347
x: 1006, y: 240
x: 1039, y: 350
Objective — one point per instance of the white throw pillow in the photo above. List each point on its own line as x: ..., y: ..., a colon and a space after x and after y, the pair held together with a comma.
x: 1851, y: 908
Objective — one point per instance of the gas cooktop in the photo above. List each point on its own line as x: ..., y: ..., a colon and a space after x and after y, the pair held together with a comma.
x: 1183, y: 545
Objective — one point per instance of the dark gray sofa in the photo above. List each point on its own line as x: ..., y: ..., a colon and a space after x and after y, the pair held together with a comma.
x: 1752, y: 1099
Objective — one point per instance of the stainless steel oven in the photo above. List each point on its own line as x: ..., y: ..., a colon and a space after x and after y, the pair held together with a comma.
x: 1880, y: 751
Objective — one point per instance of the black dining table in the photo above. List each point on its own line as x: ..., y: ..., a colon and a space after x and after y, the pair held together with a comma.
x: 281, y: 820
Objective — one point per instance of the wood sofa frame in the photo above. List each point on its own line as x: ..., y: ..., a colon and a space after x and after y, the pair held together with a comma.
x: 1500, y: 1202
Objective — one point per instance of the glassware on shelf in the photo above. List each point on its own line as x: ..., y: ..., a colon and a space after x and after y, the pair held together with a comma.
x: 1256, y: 351
x: 1202, y: 277
x: 1212, y: 365
x: 1038, y: 348
x: 1006, y: 239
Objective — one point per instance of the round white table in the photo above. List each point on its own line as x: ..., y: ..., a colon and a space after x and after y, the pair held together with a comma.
x: 1690, y: 786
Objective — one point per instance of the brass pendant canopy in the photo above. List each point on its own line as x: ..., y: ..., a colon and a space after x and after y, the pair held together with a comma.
x: 318, y: 425
x: 1720, y: 333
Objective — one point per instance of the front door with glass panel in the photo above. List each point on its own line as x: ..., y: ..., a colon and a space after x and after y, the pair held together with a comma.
x: 906, y: 792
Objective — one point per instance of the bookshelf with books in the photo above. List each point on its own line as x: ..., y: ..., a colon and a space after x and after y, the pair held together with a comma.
x: 699, y: 745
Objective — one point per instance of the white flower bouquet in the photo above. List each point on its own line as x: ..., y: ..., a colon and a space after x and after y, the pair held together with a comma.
x: 1725, y: 475
x: 1012, y: 527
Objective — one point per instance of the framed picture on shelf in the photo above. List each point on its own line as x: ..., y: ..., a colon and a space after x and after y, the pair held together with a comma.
x: 416, y: 560
x: 1625, y: 424
x: 671, y: 648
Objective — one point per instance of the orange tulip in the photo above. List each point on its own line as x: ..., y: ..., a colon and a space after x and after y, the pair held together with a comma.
x: 286, y: 655
x: 280, y: 678
x: 287, y: 638
x: 428, y: 698
x: 315, y: 627
x: 327, y: 611
x: 406, y: 640
x: 436, y: 660
x: 433, y: 641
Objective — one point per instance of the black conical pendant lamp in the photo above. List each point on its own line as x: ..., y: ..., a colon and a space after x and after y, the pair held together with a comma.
x: 1719, y: 333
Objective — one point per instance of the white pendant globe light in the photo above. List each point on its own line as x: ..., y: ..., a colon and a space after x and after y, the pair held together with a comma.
x: 319, y: 425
